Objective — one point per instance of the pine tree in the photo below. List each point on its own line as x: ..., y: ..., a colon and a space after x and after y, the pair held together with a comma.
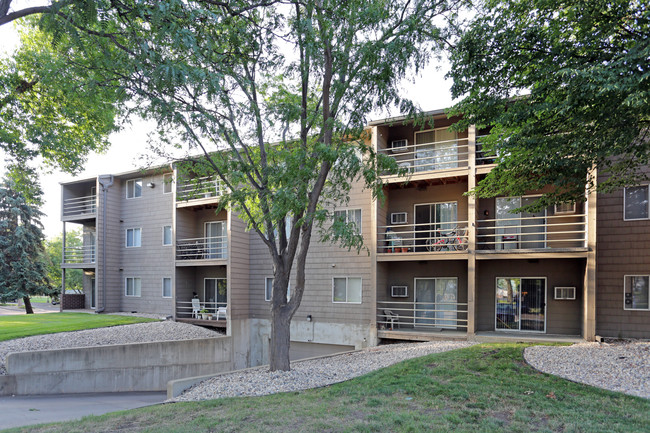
x: 22, y: 269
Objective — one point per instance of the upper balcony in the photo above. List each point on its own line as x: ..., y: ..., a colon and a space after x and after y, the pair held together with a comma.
x: 428, y: 158
x: 417, y: 241
x: 198, y: 190
x: 79, y: 256
x: 79, y: 208
x: 209, y: 250
x: 560, y: 234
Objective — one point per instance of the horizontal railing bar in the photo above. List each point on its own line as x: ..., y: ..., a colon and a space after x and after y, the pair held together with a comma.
x: 422, y: 224
x: 532, y: 218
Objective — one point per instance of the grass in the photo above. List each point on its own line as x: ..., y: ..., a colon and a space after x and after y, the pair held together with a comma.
x: 486, y: 388
x: 25, y: 325
x: 40, y: 299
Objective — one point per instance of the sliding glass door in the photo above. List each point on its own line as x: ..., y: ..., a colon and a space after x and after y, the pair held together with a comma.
x: 521, y: 230
x: 432, y: 221
x: 521, y: 304
x: 436, y: 302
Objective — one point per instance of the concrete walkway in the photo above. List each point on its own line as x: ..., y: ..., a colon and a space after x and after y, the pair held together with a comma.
x: 28, y: 410
x: 13, y: 309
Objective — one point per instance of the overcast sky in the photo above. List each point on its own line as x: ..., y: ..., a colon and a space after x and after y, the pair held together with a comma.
x: 430, y: 90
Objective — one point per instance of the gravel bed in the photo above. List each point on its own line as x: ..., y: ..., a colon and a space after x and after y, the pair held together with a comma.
x: 618, y: 366
x: 312, y: 373
x: 122, y: 334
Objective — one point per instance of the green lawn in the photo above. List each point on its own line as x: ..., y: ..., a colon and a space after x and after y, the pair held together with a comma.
x: 25, y: 325
x: 487, y: 388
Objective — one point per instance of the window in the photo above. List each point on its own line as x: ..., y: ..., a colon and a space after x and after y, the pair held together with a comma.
x: 133, y: 287
x: 133, y: 238
x: 167, y: 235
x: 636, y: 292
x: 346, y: 289
x: 635, y: 203
x: 350, y: 216
x: 134, y: 188
x: 167, y: 287
x: 167, y: 183
x: 268, y: 289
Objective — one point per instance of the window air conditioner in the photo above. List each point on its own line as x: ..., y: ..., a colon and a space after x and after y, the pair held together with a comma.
x: 397, y: 146
x: 399, y: 291
x: 565, y: 293
x: 398, y: 218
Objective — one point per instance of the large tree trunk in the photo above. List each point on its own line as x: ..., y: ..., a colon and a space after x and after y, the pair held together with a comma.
x: 280, y: 321
x: 28, y: 305
x: 280, y: 340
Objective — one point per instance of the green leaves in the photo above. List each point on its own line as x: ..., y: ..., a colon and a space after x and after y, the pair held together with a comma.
x: 582, y: 68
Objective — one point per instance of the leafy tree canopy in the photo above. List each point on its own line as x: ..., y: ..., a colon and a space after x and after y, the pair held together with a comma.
x: 52, y: 105
x: 583, y: 68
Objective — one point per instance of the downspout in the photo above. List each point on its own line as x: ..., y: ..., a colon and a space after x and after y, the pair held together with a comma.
x: 106, y: 182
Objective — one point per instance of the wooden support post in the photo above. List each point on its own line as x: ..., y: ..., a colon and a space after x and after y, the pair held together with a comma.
x: 589, y: 298
x: 471, y: 232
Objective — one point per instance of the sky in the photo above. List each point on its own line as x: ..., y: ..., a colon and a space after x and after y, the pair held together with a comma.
x: 430, y: 90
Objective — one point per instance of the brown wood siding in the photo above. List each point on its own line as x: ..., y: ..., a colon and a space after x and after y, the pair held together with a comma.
x: 238, y: 268
x: 562, y: 317
x: 324, y: 262
x: 623, y: 248
x: 152, y: 261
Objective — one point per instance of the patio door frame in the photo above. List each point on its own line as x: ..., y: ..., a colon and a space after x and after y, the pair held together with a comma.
x: 503, y: 231
x: 214, y: 248
x: 435, y: 319
x: 428, y: 232
x: 545, y: 305
x: 212, y: 308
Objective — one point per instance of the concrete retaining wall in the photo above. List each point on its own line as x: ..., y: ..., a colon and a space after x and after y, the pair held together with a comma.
x: 118, y: 368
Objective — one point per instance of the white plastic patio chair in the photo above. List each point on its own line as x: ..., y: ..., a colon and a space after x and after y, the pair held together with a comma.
x: 221, y: 311
x: 196, y: 307
x: 392, y: 318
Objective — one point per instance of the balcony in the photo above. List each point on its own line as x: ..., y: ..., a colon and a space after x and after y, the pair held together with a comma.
x: 80, y: 207
x: 444, y: 238
x: 79, y: 255
x: 558, y: 233
x: 421, y: 320
x: 199, y: 188
x: 215, y: 315
x: 202, y: 249
x: 428, y: 157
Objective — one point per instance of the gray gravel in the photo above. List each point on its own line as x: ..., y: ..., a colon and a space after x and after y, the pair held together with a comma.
x: 123, y: 334
x: 312, y: 373
x: 619, y: 366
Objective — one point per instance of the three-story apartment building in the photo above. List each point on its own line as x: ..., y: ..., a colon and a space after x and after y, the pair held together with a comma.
x: 441, y: 263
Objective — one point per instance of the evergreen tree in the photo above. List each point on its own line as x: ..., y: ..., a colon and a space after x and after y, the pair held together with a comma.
x: 22, y: 268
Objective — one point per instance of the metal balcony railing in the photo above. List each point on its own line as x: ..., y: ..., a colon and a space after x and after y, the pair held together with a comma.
x: 79, y: 255
x: 421, y: 315
x: 214, y: 310
x: 535, y: 232
x: 423, y: 238
x: 80, y: 206
x: 205, y: 248
x: 427, y: 157
x: 199, y: 187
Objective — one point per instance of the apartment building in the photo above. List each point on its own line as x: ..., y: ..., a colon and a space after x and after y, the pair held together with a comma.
x: 441, y: 264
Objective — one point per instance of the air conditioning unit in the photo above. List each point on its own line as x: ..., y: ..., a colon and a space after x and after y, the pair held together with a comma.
x: 565, y: 293
x: 398, y: 218
x: 397, y: 146
x: 399, y: 291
